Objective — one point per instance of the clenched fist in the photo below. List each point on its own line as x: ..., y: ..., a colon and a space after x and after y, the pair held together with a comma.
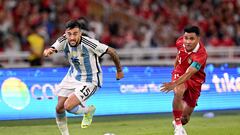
x: 49, y: 51
x: 119, y: 75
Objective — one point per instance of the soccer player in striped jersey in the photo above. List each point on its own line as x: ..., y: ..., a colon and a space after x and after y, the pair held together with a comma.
x: 187, y: 77
x: 84, y: 76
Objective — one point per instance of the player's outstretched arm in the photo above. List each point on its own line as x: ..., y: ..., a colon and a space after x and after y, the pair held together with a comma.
x: 49, y: 51
x: 116, y: 60
x: 166, y: 87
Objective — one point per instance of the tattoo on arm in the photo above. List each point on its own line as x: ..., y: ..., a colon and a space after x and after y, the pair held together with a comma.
x: 115, y: 58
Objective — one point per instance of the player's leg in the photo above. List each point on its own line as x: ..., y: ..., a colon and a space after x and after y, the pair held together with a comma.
x: 61, y: 118
x: 187, y: 111
x: 178, y: 109
x: 178, y: 103
x: 75, y: 103
x: 75, y: 106
x: 190, y: 100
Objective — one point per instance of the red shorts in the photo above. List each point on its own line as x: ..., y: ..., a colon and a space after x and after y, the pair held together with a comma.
x: 192, y: 92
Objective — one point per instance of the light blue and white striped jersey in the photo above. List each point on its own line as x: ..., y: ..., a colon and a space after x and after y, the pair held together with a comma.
x: 83, y: 59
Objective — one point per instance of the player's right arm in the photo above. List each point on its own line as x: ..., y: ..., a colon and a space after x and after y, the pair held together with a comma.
x: 192, y: 69
x: 56, y: 47
x: 176, y: 62
x: 179, y: 45
x: 49, y: 51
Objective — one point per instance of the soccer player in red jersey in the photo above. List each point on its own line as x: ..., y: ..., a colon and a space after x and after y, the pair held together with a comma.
x: 187, y: 77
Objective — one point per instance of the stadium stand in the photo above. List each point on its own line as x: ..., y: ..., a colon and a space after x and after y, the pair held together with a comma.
x: 148, y: 28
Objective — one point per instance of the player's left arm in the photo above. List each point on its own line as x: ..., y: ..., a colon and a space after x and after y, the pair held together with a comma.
x: 192, y: 69
x: 112, y: 52
x: 101, y: 49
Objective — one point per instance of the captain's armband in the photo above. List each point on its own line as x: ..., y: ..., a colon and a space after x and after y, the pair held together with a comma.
x: 196, y: 65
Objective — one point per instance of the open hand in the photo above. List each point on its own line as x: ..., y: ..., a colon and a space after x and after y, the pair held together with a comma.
x: 166, y: 87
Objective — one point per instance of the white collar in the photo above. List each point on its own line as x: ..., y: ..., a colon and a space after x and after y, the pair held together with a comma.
x: 196, y: 48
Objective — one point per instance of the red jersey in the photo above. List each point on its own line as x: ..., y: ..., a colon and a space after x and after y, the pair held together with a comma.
x: 185, y: 59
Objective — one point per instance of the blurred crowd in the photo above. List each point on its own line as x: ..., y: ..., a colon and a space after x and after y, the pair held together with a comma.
x: 219, y: 20
x: 32, y: 25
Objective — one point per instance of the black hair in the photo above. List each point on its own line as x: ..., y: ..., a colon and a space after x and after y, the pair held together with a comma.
x: 83, y: 22
x: 72, y: 24
x: 192, y: 29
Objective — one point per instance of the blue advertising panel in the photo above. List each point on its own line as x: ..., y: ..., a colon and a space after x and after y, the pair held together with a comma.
x: 28, y: 93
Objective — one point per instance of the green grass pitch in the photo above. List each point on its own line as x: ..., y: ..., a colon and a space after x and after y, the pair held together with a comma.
x: 225, y: 123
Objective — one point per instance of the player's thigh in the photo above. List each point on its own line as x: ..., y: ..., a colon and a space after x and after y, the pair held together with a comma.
x: 192, y: 93
x: 81, y: 93
x: 63, y: 97
x: 64, y: 92
x: 179, y: 90
x: 85, y: 91
x: 71, y: 102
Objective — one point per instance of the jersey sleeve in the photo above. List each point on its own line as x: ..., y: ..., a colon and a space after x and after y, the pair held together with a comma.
x: 179, y: 43
x: 59, y: 43
x: 199, y: 60
x: 95, y: 46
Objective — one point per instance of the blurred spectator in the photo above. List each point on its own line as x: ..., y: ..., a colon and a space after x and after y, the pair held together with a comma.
x: 96, y: 26
x: 237, y: 31
x: 130, y: 38
x: 122, y: 23
x: 36, y: 46
x: 11, y: 44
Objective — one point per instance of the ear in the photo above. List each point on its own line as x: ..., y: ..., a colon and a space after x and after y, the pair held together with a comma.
x: 198, y: 38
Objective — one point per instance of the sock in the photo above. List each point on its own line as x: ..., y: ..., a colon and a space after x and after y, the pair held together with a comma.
x: 177, y: 117
x: 79, y: 110
x: 61, y: 121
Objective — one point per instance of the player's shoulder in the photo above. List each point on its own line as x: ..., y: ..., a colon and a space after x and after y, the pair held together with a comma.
x: 201, y: 53
x: 89, y: 42
x: 86, y: 39
x: 202, y: 49
x: 179, y: 42
x: 62, y: 38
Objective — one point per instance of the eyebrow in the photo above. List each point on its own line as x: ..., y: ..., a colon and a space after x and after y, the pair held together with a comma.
x: 72, y: 32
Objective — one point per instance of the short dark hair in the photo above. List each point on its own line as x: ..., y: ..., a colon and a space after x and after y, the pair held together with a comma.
x: 72, y: 24
x: 192, y: 29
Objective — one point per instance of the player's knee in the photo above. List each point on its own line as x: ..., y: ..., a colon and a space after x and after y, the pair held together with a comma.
x: 178, y: 97
x: 185, y: 119
x: 68, y: 107
x: 59, y: 109
x: 179, y: 91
